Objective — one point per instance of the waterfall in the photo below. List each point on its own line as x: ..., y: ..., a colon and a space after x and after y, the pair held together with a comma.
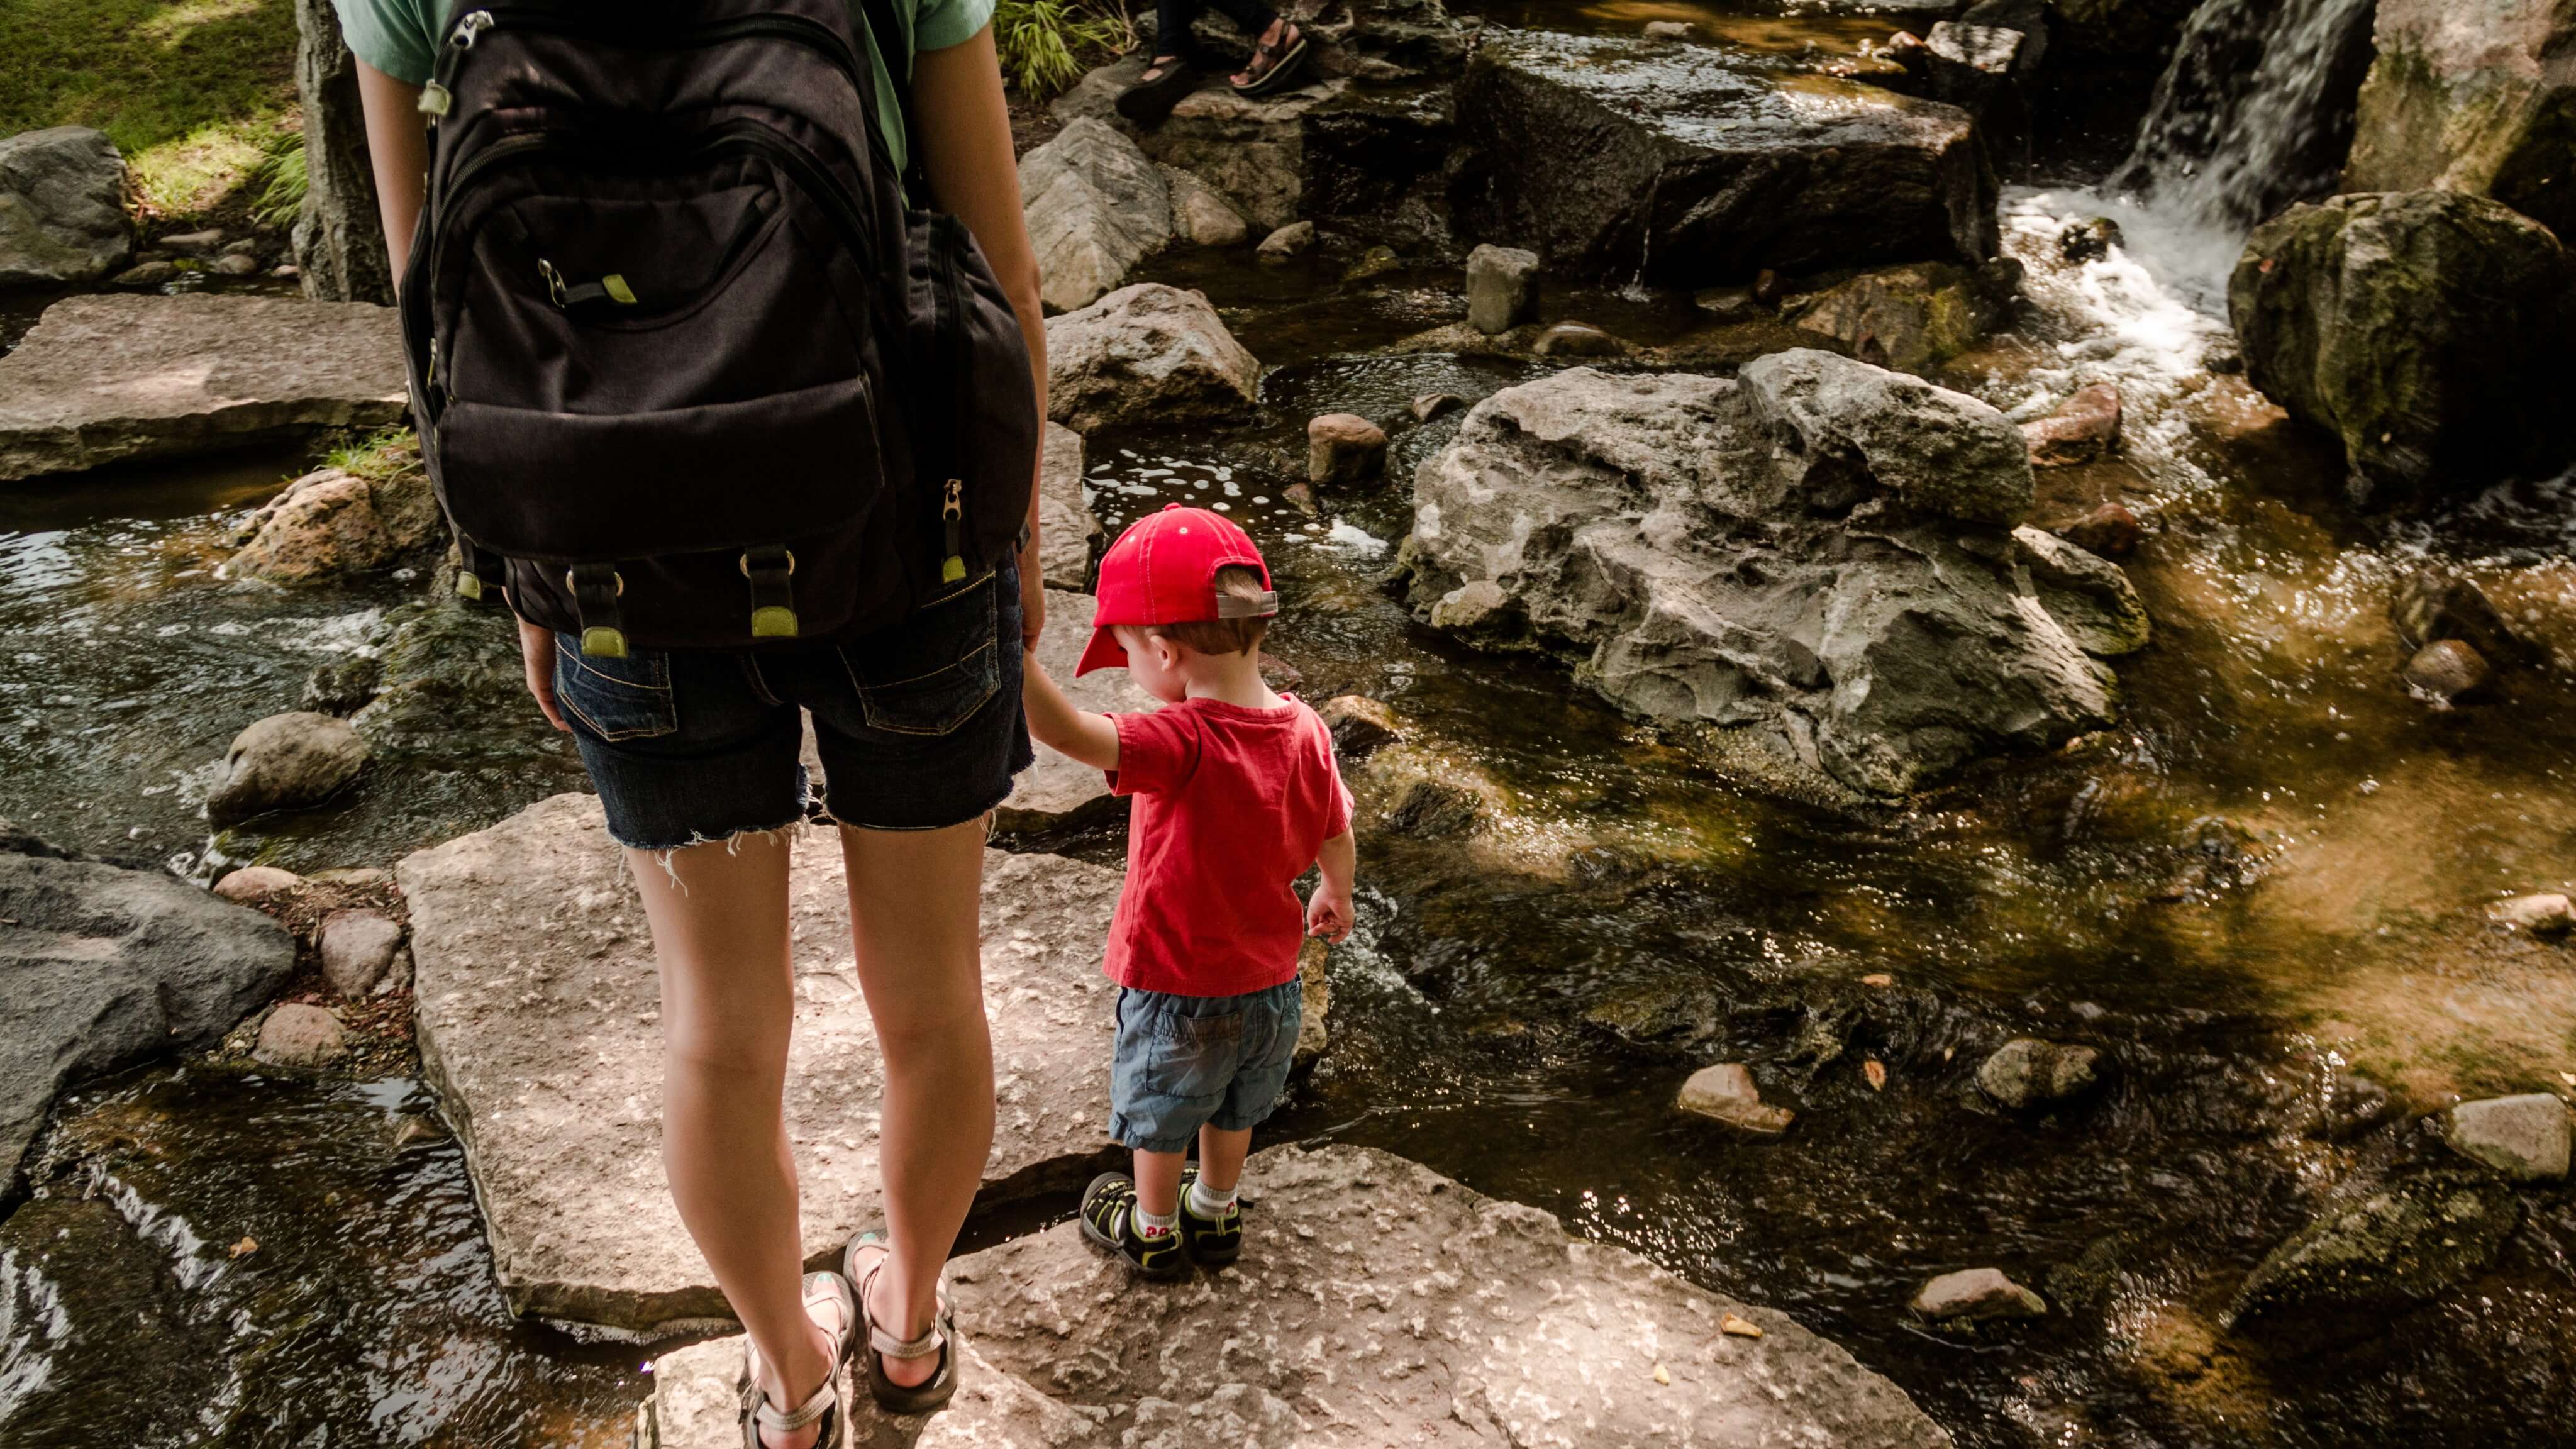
x: 2254, y: 112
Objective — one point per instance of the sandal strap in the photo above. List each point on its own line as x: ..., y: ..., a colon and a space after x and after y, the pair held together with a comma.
x: 803, y: 1414
x: 1273, y: 49
x: 932, y: 1339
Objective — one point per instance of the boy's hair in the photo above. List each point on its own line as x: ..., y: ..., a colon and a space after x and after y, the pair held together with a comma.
x: 1223, y: 636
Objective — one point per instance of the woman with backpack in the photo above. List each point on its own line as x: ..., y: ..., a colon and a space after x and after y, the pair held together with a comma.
x: 741, y: 437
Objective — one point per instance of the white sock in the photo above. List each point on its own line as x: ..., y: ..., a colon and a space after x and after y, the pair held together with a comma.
x: 1207, y: 1202
x: 1154, y: 1225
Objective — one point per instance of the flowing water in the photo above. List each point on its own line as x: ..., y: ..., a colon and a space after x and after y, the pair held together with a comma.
x: 2265, y: 881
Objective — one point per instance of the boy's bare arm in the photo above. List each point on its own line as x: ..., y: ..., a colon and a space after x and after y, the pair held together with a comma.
x: 1076, y: 733
x: 1328, y: 911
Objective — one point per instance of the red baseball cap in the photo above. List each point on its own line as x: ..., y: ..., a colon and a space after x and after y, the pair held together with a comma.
x: 1162, y: 570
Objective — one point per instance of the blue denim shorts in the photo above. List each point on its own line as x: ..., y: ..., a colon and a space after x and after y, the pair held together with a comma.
x: 1184, y: 1061
x: 918, y: 725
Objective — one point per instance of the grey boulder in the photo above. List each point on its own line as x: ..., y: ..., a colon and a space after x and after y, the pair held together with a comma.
x: 1096, y: 207
x: 1816, y: 561
x: 2028, y: 1072
x: 1066, y: 524
x: 2397, y: 1246
x: 1149, y: 352
x: 1466, y: 1322
x: 62, y: 207
x: 104, y: 968
x: 357, y: 948
x: 1502, y: 287
x: 2523, y: 1137
x: 286, y: 762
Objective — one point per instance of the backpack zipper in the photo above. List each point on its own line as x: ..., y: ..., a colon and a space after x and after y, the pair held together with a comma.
x: 814, y: 35
x: 951, y: 322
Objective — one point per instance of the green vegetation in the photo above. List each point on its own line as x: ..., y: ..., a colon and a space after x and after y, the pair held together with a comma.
x: 1041, y: 42
x: 194, y: 92
x: 278, y: 180
x: 377, y: 457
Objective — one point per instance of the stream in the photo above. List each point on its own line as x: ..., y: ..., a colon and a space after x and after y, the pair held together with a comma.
x: 2257, y: 895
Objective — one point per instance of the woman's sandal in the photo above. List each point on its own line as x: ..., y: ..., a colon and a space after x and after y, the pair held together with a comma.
x: 824, y: 1406
x: 1286, y: 57
x: 939, y: 1338
x: 1162, y: 87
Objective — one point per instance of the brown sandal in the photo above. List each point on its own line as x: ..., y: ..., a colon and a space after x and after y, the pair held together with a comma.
x: 1285, y: 60
x: 879, y: 1345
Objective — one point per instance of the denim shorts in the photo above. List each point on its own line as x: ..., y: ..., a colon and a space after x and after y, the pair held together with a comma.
x: 1183, y: 1061
x: 918, y: 725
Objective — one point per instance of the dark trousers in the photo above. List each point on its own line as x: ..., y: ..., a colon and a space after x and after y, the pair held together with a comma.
x: 1173, y: 17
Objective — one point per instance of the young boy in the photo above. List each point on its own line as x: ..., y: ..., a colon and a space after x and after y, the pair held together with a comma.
x: 1235, y: 795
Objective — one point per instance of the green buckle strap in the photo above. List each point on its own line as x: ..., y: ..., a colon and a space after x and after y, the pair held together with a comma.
x: 595, y: 590
x: 771, y: 570
x: 479, y: 575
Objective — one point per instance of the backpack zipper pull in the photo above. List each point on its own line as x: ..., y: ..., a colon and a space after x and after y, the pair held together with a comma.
x: 952, y: 513
x: 470, y: 28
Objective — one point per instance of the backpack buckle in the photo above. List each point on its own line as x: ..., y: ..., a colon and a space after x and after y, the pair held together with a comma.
x: 595, y: 590
x: 771, y: 569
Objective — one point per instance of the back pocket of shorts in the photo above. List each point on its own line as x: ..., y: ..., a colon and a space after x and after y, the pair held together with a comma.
x: 616, y: 699
x: 930, y: 673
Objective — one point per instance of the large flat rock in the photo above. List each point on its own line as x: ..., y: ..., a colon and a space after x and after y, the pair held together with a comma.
x: 1377, y: 1303
x: 103, y: 968
x: 1066, y: 524
x: 1630, y: 159
x: 1057, y: 790
x: 99, y: 379
x: 537, y: 1021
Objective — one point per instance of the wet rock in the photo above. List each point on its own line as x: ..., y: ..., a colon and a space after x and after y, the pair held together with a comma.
x: 342, y: 686
x: 2027, y: 1072
x: 1975, y: 1295
x: 2084, y: 427
x: 1403, y: 790
x: 1970, y: 65
x: 447, y: 659
x: 1727, y: 304
x: 2525, y: 1137
x: 413, y: 1129
x: 1810, y: 559
x: 2422, y: 328
x: 2446, y: 669
x: 1576, y: 339
x: 109, y: 968
x: 1303, y: 496
x: 1914, y: 317
x: 1670, y: 30
x: 2542, y: 915
x: 1360, y: 725
x: 1635, y: 160
x: 2471, y: 101
x: 357, y: 948
x: 286, y: 762
x: 103, y: 378
x: 62, y: 207
x: 2088, y: 239
x: 1344, y: 449
x: 1726, y: 1093
x: 1377, y: 261
x: 2110, y: 531
x: 1436, y: 404
x: 1096, y: 207
x: 1521, y: 1334
x: 145, y: 274
x: 323, y: 528
x: 1315, y: 993
x: 1502, y: 288
x: 301, y: 1037
x: 1066, y: 524
x: 1200, y: 214
x: 201, y: 243
x: 1252, y: 150
x: 2089, y: 596
x: 2353, y: 1105
x: 255, y: 883
x: 537, y: 1020
x: 235, y: 265
x: 2399, y: 1246
x: 1293, y: 240
x: 2433, y: 604
x: 1057, y: 790
x: 1144, y: 353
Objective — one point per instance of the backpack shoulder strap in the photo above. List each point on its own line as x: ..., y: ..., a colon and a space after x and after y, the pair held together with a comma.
x: 893, y: 45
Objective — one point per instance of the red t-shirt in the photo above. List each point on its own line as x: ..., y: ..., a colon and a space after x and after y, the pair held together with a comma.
x: 1231, y: 806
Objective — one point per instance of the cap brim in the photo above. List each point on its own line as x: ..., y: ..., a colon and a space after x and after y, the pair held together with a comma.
x: 1104, y: 652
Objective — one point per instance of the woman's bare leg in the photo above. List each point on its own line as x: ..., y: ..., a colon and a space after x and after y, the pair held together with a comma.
x: 914, y: 898
x: 719, y: 916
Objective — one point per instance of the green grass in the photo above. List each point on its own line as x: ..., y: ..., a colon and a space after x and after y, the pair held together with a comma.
x: 377, y: 456
x: 1043, y: 42
x: 194, y: 92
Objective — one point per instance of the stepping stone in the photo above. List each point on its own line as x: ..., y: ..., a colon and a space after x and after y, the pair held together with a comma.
x: 1058, y: 791
x: 1466, y: 1322
x: 538, y: 1024
x: 104, y: 378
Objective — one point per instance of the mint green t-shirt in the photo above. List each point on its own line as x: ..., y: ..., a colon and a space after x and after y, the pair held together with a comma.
x: 400, y: 38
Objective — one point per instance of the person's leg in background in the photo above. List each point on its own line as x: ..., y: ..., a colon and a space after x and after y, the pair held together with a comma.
x: 915, y: 896
x: 719, y: 918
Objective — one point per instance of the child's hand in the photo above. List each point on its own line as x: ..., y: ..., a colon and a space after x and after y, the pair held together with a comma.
x: 1328, y: 914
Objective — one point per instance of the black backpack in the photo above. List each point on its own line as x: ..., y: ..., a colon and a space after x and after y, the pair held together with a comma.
x: 687, y: 371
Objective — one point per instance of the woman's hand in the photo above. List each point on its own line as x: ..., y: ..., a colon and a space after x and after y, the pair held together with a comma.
x: 537, y: 651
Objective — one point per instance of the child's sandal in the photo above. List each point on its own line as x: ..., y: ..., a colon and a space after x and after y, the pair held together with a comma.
x: 825, y: 1405
x: 939, y: 1338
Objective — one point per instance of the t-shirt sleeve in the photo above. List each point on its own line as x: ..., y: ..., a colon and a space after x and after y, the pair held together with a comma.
x: 398, y: 37
x: 939, y: 24
x: 1155, y: 752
